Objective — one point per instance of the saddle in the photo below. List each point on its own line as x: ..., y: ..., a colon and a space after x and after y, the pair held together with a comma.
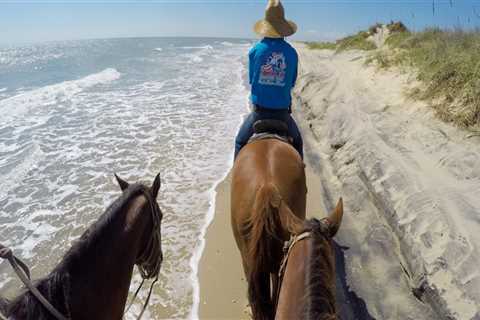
x: 270, y: 129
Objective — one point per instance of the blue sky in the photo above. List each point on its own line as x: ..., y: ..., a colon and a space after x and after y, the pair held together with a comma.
x: 32, y: 21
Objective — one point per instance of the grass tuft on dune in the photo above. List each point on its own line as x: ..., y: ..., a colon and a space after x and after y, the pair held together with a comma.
x: 358, y: 41
x: 321, y: 45
x: 447, y: 62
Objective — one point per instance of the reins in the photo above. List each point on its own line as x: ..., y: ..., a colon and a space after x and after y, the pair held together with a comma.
x: 288, y: 247
x: 148, y: 264
x: 23, y: 273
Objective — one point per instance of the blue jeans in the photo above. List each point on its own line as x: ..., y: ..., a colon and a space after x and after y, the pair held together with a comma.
x: 246, y: 130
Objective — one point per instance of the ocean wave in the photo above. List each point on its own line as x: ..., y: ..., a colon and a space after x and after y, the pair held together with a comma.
x: 158, y: 49
x: 53, y: 94
x: 206, y: 47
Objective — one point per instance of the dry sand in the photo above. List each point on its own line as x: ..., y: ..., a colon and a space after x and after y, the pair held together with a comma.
x: 410, y: 184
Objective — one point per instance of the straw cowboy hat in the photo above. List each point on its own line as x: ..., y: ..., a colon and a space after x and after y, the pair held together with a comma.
x: 275, y: 25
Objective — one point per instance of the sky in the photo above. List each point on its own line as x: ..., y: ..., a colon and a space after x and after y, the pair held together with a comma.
x: 24, y: 21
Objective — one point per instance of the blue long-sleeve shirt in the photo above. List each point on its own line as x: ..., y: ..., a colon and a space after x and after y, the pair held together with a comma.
x: 273, y: 65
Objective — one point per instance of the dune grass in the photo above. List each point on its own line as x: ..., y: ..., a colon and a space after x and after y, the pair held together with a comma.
x: 321, y: 45
x: 358, y: 41
x: 448, y: 63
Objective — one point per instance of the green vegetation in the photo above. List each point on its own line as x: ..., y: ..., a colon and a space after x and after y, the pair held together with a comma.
x: 395, y: 39
x: 395, y: 27
x: 448, y: 63
x: 321, y: 45
x: 358, y: 41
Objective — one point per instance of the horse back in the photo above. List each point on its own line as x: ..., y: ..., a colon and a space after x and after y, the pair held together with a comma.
x: 262, y: 163
x: 270, y: 162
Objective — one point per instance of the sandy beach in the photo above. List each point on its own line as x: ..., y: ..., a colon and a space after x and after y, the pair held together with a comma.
x: 408, y: 247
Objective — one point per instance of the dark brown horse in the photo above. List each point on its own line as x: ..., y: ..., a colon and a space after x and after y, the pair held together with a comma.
x: 268, y: 204
x: 92, y: 280
x: 307, y: 289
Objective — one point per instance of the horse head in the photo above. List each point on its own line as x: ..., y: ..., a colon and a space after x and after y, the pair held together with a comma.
x: 307, y: 274
x: 150, y: 258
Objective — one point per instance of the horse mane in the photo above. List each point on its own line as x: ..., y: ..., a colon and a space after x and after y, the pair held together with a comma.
x: 320, y: 280
x: 56, y: 286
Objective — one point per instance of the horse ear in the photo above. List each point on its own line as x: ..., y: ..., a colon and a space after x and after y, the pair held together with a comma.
x: 335, y: 218
x: 156, y: 186
x: 122, y: 183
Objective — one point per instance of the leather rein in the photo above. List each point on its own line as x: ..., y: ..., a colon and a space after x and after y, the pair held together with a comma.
x: 149, y: 266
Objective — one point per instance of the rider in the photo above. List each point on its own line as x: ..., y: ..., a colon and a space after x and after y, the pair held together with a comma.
x: 272, y: 74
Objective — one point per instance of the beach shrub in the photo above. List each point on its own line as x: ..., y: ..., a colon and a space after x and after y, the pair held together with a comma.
x: 397, y: 27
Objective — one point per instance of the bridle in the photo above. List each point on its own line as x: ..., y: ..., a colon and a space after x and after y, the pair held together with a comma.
x: 151, y: 258
x: 148, y: 263
x: 288, y: 247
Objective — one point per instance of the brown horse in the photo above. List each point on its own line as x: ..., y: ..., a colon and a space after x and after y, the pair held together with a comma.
x: 268, y: 204
x: 307, y: 289
x: 92, y: 280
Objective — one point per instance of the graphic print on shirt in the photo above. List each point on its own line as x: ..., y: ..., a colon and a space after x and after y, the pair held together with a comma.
x: 272, y: 72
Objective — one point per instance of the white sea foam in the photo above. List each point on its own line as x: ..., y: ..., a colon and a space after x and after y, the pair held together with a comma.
x: 206, y: 47
x: 158, y: 49
x: 239, y: 99
x: 3, y: 89
x: 53, y: 94
x: 25, y: 160
x: 36, y: 229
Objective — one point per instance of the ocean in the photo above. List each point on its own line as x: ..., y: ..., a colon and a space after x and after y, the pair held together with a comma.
x: 75, y: 112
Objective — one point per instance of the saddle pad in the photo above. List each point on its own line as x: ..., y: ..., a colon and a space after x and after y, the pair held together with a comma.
x: 266, y: 135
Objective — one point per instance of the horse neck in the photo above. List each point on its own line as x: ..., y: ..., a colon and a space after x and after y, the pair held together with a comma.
x: 307, y: 289
x: 100, y: 277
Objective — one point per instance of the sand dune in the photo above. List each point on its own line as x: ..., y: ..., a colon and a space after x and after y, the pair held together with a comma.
x: 411, y: 186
